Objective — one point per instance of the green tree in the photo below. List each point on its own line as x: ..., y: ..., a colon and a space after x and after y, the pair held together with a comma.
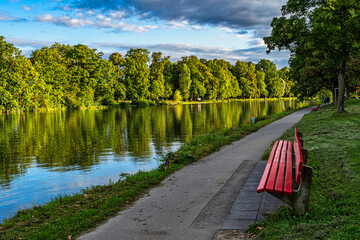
x: 137, y: 73
x: 245, y: 73
x: 19, y: 80
x: 273, y: 82
x: 284, y: 74
x: 157, y: 80
x: 120, y: 89
x: 328, y: 27
x: 53, y: 71
x: 84, y: 65
x: 168, y: 79
x: 184, y: 81
x: 177, y: 96
x: 228, y: 85
x: 261, y: 86
x: 108, y: 88
x: 197, y: 88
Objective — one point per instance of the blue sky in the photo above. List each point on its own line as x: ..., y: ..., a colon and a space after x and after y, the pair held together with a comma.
x: 223, y: 29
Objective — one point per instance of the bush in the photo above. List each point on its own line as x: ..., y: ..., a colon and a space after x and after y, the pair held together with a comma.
x: 143, y: 102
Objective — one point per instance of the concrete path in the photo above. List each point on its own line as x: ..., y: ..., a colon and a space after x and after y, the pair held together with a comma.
x: 195, y: 202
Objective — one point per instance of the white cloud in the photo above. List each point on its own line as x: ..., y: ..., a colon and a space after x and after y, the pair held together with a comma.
x: 197, y: 27
x: 26, y: 8
x: 118, y: 15
x: 176, y: 24
x: 178, y: 50
x: 99, y: 22
x: 64, y: 21
x: 258, y: 42
x: 20, y: 42
x: 227, y: 29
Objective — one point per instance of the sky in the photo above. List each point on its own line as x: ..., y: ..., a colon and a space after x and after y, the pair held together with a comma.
x: 223, y: 29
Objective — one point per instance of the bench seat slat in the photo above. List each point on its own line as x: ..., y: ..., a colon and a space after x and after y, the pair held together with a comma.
x: 272, y: 177
x: 265, y: 175
x: 288, y: 175
x: 281, y: 172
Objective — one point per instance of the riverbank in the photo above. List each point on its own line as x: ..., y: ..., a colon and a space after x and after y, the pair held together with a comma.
x: 71, y: 215
x: 333, y: 142
x: 142, y: 103
x: 172, y: 102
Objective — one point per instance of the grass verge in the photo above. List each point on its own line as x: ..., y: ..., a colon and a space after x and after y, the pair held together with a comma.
x: 66, y: 217
x: 333, y: 141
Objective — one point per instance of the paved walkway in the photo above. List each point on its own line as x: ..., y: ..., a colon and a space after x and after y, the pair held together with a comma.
x: 213, y: 193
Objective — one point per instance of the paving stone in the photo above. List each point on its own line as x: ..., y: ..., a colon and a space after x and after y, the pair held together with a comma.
x: 246, y: 206
x: 249, y: 193
x: 251, y: 184
x: 243, y: 215
x: 248, y: 199
x: 237, y: 224
x: 249, y: 188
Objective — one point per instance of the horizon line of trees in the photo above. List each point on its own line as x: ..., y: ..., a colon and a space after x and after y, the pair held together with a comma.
x: 76, y: 76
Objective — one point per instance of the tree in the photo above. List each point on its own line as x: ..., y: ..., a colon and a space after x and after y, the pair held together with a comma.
x: 260, y: 80
x: 119, y: 62
x: 197, y: 73
x: 157, y: 80
x: 177, y: 96
x: 18, y: 79
x: 53, y: 71
x: 226, y: 81
x: 240, y: 72
x: 184, y: 81
x: 137, y: 73
x: 84, y: 65
x: 273, y: 82
x: 284, y: 74
x: 328, y: 27
x: 168, y: 79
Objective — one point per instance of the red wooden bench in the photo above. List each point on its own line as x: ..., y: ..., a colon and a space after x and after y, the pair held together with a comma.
x: 286, y: 175
x: 316, y: 108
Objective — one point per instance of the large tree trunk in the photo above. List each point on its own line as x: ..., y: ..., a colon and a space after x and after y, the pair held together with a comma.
x: 341, y: 80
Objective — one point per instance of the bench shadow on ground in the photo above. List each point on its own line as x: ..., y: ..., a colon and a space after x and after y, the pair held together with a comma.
x: 248, y: 208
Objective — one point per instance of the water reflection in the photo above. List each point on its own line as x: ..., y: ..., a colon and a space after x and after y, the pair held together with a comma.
x: 44, y: 154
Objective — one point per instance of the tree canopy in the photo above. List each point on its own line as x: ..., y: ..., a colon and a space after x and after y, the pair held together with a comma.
x: 322, y: 36
x: 65, y: 76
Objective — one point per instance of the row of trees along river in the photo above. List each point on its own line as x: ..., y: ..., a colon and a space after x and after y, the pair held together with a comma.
x: 64, y: 76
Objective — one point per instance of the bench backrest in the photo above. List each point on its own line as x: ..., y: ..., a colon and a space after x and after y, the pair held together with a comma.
x: 298, y: 156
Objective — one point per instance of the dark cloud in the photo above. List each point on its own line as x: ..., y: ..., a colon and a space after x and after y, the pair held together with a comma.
x: 229, y: 13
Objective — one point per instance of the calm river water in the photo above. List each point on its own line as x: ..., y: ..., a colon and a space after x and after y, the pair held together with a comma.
x: 46, y: 154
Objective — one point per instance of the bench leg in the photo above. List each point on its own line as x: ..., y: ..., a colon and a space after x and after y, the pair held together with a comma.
x: 299, y: 200
x: 302, y: 197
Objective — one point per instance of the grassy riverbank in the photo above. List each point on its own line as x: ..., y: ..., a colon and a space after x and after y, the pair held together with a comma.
x: 172, y: 102
x: 333, y: 142
x: 71, y: 215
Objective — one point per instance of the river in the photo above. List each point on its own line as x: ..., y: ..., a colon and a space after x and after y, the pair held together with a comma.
x: 45, y: 154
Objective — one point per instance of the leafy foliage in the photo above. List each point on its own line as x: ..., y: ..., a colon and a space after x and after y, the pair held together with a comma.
x: 64, y: 76
x: 322, y: 37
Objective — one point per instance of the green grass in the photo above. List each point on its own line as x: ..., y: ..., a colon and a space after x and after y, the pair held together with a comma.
x: 333, y: 141
x: 67, y: 216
